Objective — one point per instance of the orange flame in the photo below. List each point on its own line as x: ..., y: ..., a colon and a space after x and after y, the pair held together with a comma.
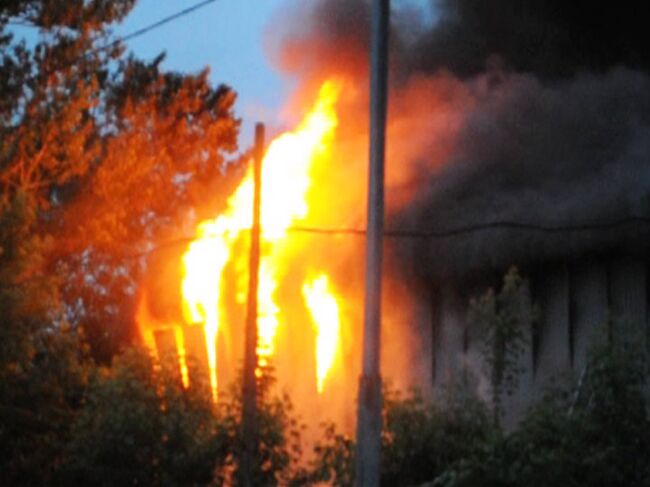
x: 148, y: 325
x: 179, y: 338
x: 286, y: 181
x: 324, y: 310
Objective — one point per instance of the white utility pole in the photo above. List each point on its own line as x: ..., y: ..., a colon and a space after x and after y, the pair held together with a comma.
x: 370, y: 397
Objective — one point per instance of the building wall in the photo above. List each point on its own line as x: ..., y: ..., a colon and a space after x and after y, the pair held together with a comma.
x: 579, y: 302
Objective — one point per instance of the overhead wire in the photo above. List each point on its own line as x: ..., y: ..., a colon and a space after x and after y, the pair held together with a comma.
x: 395, y: 233
x: 432, y: 234
x: 495, y: 224
x: 155, y: 25
x: 132, y: 35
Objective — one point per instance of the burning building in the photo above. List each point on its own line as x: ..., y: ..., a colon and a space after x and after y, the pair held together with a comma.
x: 508, y: 143
x: 553, y: 179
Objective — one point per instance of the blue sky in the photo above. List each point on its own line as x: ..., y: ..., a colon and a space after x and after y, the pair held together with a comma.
x: 228, y: 37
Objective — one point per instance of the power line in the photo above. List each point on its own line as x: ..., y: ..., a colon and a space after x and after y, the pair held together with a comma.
x: 477, y: 227
x: 21, y: 23
x: 416, y: 234
x: 133, y: 35
x: 144, y: 30
x: 435, y: 234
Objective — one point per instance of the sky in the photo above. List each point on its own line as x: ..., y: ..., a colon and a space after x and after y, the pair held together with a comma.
x: 228, y: 36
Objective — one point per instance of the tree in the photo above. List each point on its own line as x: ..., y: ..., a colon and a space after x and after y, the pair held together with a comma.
x: 420, y: 439
x: 501, y: 321
x: 112, y: 151
x: 138, y: 426
x: 43, y: 362
x: 595, y: 432
x: 279, y: 433
x: 99, y: 154
x: 51, y: 93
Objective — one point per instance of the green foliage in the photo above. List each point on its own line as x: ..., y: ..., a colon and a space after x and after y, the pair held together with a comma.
x: 66, y: 422
x: 596, y: 433
x: 420, y: 439
x: 279, y: 433
x: 138, y: 426
x: 43, y: 370
x: 27, y: 296
x: 38, y: 400
x: 73, y: 14
x: 334, y: 459
x: 501, y: 321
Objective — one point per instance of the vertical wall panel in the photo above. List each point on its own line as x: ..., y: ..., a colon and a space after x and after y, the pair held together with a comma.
x: 589, y: 309
x: 628, y: 297
x: 517, y: 404
x: 449, y: 350
x: 408, y: 341
x: 423, y: 357
x: 473, y: 344
x: 554, y: 352
x: 421, y: 341
x: 575, y: 302
x: 436, y: 327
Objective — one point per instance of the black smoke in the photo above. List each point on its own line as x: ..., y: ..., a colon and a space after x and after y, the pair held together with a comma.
x: 557, y: 134
x: 574, y: 154
x: 549, y: 38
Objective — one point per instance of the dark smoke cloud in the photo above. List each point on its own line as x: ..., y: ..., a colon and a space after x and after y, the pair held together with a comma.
x: 575, y: 152
x: 558, y: 130
x: 550, y: 38
x: 321, y: 36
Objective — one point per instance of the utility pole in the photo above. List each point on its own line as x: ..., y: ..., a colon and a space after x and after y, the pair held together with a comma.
x: 370, y: 397
x: 249, y: 463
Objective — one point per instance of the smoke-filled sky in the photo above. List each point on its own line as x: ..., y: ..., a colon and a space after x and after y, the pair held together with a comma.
x: 535, y: 111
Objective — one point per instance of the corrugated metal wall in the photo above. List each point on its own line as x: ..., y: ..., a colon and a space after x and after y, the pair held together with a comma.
x: 580, y: 302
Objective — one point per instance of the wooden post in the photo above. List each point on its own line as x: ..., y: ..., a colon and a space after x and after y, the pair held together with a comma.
x: 249, y: 463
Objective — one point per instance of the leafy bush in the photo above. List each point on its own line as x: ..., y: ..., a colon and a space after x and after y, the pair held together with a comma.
x: 500, y: 320
x: 139, y: 426
x: 420, y: 439
x: 596, y: 433
x: 279, y: 449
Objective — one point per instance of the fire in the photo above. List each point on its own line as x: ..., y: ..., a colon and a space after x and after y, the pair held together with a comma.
x: 267, y: 320
x: 147, y: 326
x: 324, y: 310
x: 203, y: 264
x: 179, y: 338
x: 286, y: 181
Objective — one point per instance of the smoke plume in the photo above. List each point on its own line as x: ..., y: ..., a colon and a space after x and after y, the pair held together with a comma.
x: 505, y: 111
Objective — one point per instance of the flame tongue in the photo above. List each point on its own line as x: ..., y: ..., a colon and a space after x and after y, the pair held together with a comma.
x: 285, y: 183
x: 324, y: 310
x: 203, y: 265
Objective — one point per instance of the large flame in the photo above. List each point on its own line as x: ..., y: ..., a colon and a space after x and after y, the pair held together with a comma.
x: 324, y: 310
x: 286, y: 180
